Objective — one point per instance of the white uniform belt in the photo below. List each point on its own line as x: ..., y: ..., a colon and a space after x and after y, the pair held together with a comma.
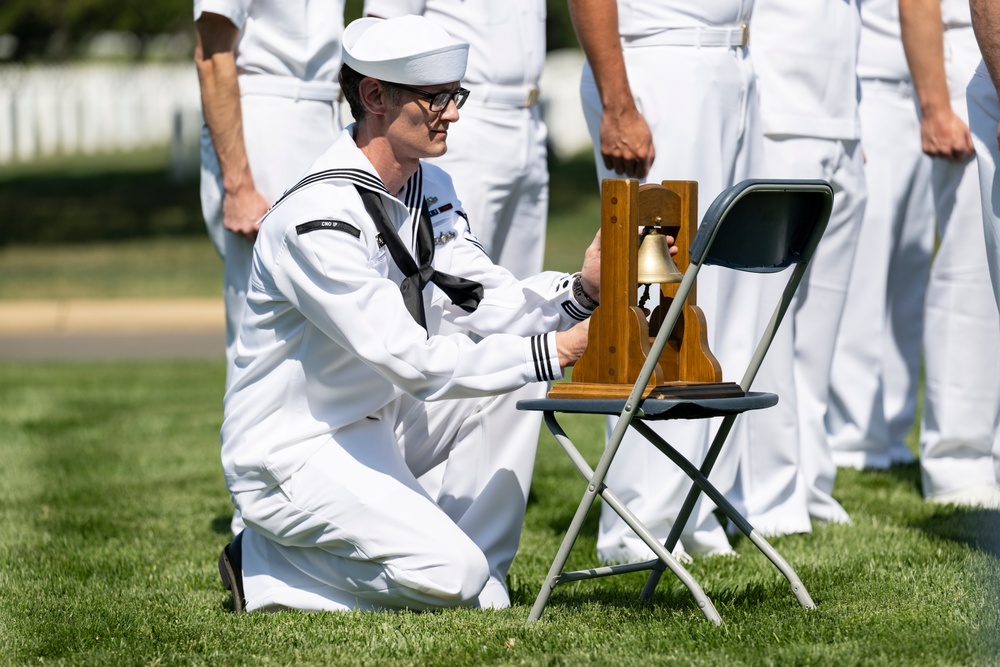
x: 715, y: 36
x: 522, y: 97
x: 288, y: 86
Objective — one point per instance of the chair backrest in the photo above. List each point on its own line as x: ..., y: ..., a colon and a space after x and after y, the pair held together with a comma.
x: 763, y: 225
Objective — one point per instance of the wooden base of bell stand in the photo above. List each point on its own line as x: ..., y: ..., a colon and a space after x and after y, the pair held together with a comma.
x: 669, y: 390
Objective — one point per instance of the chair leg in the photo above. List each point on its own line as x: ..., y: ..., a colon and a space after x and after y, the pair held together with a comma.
x: 687, y: 508
x: 595, y: 488
x: 798, y: 589
x: 552, y: 578
x: 702, y: 484
x: 665, y: 557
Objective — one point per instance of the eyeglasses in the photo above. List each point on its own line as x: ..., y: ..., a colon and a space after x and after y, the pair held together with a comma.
x: 439, y: 101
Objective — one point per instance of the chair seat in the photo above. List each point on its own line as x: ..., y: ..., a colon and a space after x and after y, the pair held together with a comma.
x: 656, y: 408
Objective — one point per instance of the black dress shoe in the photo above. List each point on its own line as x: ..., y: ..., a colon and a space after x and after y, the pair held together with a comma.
x: 231, y: 571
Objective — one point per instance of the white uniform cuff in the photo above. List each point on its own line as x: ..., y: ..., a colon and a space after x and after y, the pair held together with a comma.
x: 543, y: 358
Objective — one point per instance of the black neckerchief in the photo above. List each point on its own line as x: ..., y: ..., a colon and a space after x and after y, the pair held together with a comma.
x: 466, y: 294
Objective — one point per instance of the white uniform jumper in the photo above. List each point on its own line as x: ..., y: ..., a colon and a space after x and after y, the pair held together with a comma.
x: 805, y: 54
x: 287, y: 59
x: 876, y: 365
x: 962, y: 327
x: 692, y: 79
x: 340, y: 399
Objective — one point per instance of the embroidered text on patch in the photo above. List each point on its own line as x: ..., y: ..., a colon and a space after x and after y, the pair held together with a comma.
x: 336, y: 225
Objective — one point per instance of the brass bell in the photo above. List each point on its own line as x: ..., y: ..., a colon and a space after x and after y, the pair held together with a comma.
x: 655, y: 264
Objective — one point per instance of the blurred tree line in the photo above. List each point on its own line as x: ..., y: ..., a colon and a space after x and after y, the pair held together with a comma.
x: 53, y: 30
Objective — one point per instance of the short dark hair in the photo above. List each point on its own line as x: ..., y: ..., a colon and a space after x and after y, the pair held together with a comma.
x: 350, y: 82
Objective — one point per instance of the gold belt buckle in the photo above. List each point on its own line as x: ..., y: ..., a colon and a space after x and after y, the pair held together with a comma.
x: 745, y: 38
x: 531, y: 99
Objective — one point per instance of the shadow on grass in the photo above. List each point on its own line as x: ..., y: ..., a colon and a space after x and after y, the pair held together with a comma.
x: 220, y: 524
x: 978, y: 529
x: 908, y: 474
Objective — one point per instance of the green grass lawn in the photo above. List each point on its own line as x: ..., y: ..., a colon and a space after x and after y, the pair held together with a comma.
x: 114, y: 512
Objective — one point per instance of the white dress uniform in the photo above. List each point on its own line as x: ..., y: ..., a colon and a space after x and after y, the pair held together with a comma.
x: 876, y: 365
x: 340, y: 399
x: 287, y: 59
x: 962, y: 327
x: 805, y: 55
x: 693, y: 81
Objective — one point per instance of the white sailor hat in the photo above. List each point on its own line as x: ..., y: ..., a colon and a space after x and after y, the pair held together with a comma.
x: 407, y: 49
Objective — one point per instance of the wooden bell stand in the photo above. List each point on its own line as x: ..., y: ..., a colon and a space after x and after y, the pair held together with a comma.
x: 620, y: 336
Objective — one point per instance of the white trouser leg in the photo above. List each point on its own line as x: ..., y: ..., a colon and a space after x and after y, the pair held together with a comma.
x: 961, y: 341
x: 984, y: 119
x: 770, y: 491
x: 818, y: 310
x: 353, y: 528
x: 875, y: 372
x: 962, y: 330
x: 769, y: 478
x: 483, y: 484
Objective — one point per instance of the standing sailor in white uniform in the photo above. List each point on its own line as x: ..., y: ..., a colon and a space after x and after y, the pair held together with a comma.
x: 876, y: 365
x: 341, y: 398
x: 805, y: 55
x: 668, y: 93
x: 268, y: 76
x: 958, y: 435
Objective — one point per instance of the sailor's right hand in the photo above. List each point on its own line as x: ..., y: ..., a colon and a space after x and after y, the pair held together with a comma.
x: 571, y: 343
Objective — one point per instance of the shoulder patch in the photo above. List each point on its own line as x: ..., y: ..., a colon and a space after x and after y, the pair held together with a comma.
x: 336, y: 225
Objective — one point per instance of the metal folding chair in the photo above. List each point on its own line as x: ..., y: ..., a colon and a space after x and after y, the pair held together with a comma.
x: 758, y: 226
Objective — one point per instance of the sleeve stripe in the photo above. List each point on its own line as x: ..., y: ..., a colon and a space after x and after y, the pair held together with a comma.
x: 574, y: 311
x: 540, y: 355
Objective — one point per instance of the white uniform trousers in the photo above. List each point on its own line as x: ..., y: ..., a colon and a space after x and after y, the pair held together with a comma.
x: 354, y: 529
x: 283, y: 136
x: 701, y: 106
x: 876, y: 365
x: 962, y: 327
x: 787, y: 475
x: 497, y: 159
x: 984, y: 118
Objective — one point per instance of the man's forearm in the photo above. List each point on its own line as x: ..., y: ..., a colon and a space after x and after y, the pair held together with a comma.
x: 596, y: 26
x: 923, y: 42
x: 220, y: 99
